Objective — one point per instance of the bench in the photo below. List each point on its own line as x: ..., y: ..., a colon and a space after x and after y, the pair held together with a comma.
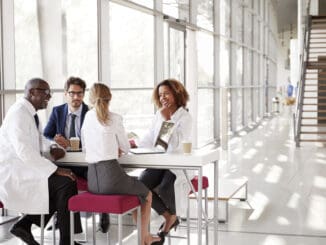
x: 230, y: 189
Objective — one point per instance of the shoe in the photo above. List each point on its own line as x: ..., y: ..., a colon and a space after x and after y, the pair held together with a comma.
x: 160, y: 242
x: 164, y: 233
x: 24, y: 235
x: 104, y: 224
x: 51, y: 227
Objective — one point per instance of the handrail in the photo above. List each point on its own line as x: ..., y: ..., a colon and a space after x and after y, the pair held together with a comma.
x: 297, y: 117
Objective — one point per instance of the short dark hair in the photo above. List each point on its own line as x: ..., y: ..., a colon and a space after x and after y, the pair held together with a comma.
x: 75, y: 81
x: 180, y: 93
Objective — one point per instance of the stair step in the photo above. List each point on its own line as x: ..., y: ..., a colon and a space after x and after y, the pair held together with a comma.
x: 314, y: 125
x: 315, y: 38
x: 316, y: 97
x: 314, y: 111
x: 315, y: 91
x: 314, y: 118
x: 316, y: 140
x: 316, y: 65
x: 308, y: 132
x: 320, y: 104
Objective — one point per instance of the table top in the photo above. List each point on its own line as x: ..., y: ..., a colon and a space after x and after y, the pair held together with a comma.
x: 196, y: 159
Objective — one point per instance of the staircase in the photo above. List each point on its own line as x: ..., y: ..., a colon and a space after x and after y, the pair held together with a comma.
x: 311, y: 121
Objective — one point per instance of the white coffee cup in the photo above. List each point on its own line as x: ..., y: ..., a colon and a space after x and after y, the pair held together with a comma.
x: 187, y: 146
x: 74, y: 143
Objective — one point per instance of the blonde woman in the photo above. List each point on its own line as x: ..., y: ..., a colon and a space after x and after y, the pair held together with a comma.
x: 104, y: 138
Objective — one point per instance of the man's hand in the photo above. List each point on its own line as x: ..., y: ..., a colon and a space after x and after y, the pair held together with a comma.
x: 56, y: 152
x: 62, y: 141
x: 66, y: 172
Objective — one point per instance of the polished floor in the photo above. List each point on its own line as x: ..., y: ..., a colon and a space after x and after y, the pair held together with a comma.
x: 287, y: 192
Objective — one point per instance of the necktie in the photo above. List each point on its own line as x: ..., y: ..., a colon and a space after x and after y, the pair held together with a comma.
x: 37, y: 121
x: 72, y: 131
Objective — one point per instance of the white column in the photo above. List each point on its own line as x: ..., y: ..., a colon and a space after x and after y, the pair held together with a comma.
x: 52, y: 43
x: 158, y: 44
x: 104, y: 72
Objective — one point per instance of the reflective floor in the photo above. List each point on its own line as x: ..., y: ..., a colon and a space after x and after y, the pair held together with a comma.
x: 286, y: 189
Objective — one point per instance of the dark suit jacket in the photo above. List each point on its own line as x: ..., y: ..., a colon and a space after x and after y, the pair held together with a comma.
x: 57, y: 121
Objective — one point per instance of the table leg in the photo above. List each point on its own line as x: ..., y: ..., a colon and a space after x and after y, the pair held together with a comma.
x: 215, y: 202
x: 199, y: 202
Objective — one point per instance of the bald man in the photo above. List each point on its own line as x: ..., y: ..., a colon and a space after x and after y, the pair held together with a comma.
x: 30, y: 183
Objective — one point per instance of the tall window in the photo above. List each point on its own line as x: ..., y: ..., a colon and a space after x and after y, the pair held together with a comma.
x: 205, y: 115
x: 132, y: 65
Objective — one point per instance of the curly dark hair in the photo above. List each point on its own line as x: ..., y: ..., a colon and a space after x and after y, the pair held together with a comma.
x: 180, y: 93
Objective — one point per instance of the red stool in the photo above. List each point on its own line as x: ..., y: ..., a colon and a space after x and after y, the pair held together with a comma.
x: 1, y: 205
x: 205, y: 185
x: 82, y: 184
x: 113, y: 204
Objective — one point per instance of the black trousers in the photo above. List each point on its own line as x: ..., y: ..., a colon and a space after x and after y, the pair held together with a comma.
x: 79, y: 171
x: 61, y: 188
x: 161, y: 183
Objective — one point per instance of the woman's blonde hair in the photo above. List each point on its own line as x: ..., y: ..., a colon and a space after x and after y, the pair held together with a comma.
x: 100, y: 97
x: 180, y: 93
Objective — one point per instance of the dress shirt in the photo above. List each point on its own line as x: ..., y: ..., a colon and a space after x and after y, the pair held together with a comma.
x: 77, y: 122
x: 102, y: 142
x: 182, y: 131
x: 24, y: 172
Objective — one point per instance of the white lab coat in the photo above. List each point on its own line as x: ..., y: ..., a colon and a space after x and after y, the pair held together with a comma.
x: 24, y: 172
x: 182, y: 132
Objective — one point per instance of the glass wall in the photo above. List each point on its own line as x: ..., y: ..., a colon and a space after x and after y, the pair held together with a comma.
x: 137, y: 44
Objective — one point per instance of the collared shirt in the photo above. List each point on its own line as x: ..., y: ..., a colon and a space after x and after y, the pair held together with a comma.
x: 182, y: 132
x: 77, y: 121
x: 102, y: 142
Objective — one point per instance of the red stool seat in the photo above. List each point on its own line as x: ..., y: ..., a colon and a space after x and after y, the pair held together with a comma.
x: 194, y: 182
x: 113, y: 204
x: 81, y: 184
x: 1, y: 205
x: 116, y: 204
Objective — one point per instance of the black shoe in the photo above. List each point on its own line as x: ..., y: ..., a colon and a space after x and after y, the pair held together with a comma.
x: 51, y: 227
x: 104, y: 224
x: 164, y: 233
x: 159, y: 242
x: 25, y: 235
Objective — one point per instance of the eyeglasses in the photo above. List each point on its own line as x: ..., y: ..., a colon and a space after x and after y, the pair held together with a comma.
x: 44, y: 90
x: 72, y: 93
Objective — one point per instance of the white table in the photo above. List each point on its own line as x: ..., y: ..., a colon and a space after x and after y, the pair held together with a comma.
x: 194, y: 161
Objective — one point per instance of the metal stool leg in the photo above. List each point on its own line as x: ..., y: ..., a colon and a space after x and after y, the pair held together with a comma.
x: 94, y: 228
x: 120, y: 229
x: 206, y: 220
x: 42, y: 229
x: 188, y: 221
x: 72, y: 229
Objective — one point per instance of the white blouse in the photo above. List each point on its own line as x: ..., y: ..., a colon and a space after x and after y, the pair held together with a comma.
x: 102, y: 142
x: 182, y: 132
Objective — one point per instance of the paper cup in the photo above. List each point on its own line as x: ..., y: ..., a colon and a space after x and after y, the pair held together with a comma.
x: 74, y: 143
x: 187, y: 146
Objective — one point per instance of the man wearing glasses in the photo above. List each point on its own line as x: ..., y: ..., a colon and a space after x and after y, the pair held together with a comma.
x: 29, y: 182
x: 66, y: 121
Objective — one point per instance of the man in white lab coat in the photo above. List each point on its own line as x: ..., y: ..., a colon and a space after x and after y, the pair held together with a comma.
x: 30, y: 183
